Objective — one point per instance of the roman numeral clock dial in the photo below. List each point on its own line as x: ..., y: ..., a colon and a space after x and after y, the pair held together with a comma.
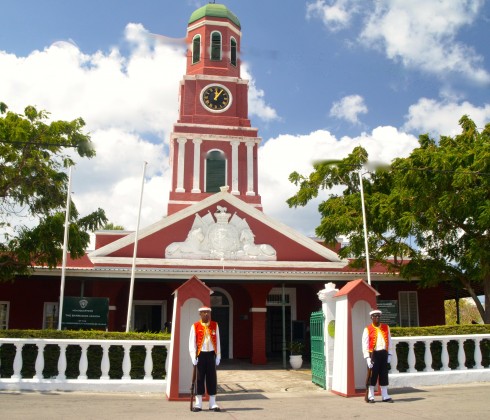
x: 216, y: 98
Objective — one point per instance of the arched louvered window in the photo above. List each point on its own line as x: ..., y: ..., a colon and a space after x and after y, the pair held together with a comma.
x: 215, y: 171
x: 196, y: 49
x: 216, y: 46
x: 233, y: 50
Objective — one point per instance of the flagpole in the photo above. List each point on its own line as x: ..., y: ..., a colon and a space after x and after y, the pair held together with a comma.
x: 135, y: 250
x: 365, y: 229
x: 65, y: 246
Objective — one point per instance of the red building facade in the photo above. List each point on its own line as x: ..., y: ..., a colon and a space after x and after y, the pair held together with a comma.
x: 263, y: 273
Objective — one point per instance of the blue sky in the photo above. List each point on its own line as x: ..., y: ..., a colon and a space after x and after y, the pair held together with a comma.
x: 325, y: 76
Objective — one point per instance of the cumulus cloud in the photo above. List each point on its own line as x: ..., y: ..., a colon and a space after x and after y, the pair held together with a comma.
x: 257, y: 105
x: 419, y: 34
x: 349, y: 108
x: 288, y: 153
x: 441, y: 117
x: 336, y: 15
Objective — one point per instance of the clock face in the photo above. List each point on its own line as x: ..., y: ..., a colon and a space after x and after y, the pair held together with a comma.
x: 216, y: 98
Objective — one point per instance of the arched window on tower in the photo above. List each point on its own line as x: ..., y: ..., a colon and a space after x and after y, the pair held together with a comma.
x: 233, y: 51
x: 216, y: 46
x: 196, y: 49
x: 215, y: 170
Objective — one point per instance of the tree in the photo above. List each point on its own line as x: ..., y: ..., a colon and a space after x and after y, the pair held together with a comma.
x: 468, y: 313
x: 33, y: 191
x: 428, y: 215
x: 112, y: 226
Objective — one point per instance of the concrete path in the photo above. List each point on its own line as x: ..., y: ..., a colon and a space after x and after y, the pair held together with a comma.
x: 248, y: 392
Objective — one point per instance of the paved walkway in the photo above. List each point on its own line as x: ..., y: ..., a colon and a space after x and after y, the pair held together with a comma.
x: 254, y: 392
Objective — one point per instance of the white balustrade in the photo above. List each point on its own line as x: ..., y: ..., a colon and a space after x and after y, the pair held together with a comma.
x: 104, y: 383
x: 39, y: 361
x: 478, y: 355
x: 445, y: 356
x: 404, y: 374
x: 428, y: 356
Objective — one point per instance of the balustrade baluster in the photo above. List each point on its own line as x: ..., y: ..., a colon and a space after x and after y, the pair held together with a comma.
x: 411, y: 357
x: 39, y: 361
x: 478, y: 356
x: 428, y: 357
x: 83, y: 365
x: 62, y: 362
x: 126, y: 362
x: 105, y: 364
x: 445, y: 356
x: 461, y: 355
x: 148, y: 362
x: 394, y: 361
x: 17, y: 361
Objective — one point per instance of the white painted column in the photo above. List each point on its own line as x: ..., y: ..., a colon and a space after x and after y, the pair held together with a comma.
x: 197, y: 165
x: 180, y: 164
x: 250, y: 168
x: 328, y: 307
x: 234, y: 167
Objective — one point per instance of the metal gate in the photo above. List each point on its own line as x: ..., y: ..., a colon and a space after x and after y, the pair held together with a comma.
x: 317, y: 320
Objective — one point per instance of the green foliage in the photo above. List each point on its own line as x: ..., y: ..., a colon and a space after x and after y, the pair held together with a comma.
x: 94, y: 354
x: 34, y: 159
x: 428, y: 215
x: 112, y: 226
x: 296, y: 347
x: 468, y: 313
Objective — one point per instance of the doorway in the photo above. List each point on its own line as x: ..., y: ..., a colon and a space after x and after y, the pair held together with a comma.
x: 221, y: 313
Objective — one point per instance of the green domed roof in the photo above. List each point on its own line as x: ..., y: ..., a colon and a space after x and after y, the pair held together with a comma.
x: 214, y: 10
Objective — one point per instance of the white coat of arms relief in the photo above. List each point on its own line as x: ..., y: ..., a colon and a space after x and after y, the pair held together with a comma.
x: 228, y: 237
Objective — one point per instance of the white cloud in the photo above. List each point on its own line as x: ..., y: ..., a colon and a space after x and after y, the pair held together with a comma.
x: 441, y: 117
x: 420, y: 34
x: 335, y: 16
x: 257, y: 105
x: 349, y: 108
x: 288, y: 153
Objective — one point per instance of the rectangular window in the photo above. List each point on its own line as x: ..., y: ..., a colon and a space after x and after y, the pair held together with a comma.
x: 4, y: 315
x: 50, y: 316
x: 233, y: 52
x: 409, y: 309
x: 216, y: 46
x: 196, y: 49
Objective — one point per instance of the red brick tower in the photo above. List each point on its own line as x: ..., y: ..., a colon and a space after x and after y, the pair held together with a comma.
x: 213, y: 144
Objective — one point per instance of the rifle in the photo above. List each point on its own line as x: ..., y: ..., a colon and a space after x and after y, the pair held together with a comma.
x: 193, y: 385
x: 368, y: 380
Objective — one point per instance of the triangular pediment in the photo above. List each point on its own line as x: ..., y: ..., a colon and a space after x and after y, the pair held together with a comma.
x: 274, y: 244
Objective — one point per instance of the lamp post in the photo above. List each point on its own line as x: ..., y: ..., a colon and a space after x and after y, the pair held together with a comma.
x: 368, y: 270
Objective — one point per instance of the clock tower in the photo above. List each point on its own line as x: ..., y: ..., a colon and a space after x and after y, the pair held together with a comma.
x: 213, y: 144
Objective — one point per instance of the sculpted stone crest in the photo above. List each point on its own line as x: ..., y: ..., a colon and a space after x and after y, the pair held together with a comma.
x: 228, y: 237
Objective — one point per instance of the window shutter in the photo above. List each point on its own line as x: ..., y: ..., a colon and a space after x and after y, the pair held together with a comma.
x: 409, y: 314
x: 215, y: 171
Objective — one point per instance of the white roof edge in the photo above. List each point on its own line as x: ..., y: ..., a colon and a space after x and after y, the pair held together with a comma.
x: 236, y: 202
x: 226, y: 264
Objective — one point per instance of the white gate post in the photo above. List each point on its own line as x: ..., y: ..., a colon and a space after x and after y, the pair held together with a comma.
x: 328, y: 307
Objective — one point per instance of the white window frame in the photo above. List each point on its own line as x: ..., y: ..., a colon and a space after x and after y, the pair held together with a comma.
x: 289, y: 294
x: 4, y: 324
x: 48, y: 311
x: 162, y: 303
x: 406, y: 299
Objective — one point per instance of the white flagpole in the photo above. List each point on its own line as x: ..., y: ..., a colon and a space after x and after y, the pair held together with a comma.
x: 135, y: 250
x: 365, y: 229
x: 65, y: 246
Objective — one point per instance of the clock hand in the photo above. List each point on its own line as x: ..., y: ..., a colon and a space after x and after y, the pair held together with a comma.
x: 217, y: 94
